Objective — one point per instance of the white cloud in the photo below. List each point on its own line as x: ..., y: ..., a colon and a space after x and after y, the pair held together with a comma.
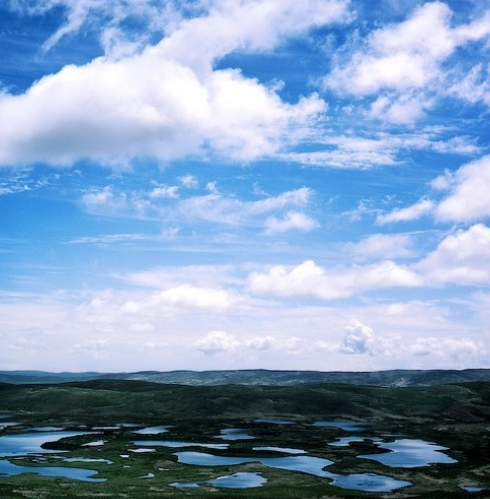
x: 358, y: 339
x: 414, y: 212
x: 165, y: 191
x: 469, y: 187
x: 405, y: 63
x: 216, y: 342
x: 308, y: 279
x: 460, y: 258
x: 185, y: 296
x: 292, y: 220
x: 448, y: 347
x: 384, y: 246
x: 110, y: 110
x: 382, y: 148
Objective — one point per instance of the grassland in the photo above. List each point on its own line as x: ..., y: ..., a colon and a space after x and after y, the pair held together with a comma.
x: 456, y: 416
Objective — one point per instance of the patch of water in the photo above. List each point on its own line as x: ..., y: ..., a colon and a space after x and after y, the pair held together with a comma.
x: 471, y: 488
x: 235, y: 434
x: 305, y: 464
x: 148, y: 476
x: 152, y: 430
x: 274, y: 421
x: 9, y: 469
x: 235, y: 481
x: 141, y: 450
x: 408, y: 453
x: 85, y: 460
x: 342, y: 425
x: 346, y: 441
x: 176, y: 444
x: 47, y: 428
x: 286, y: 450
x: 30, y: 443
x: 96, y: 443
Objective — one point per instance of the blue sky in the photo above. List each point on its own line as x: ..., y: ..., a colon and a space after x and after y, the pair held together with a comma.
x: 218, y: 184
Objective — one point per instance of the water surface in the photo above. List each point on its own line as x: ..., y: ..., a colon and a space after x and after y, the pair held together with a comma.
x: 304, y: 464
x: 9, y: 469
x: 235, y: 434
x: 408, y: 453
x: 30, y: 443
x: 177, y: 444
x: 342, y: 425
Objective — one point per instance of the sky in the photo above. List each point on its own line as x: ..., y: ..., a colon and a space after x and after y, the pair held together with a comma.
x: 242, y: 184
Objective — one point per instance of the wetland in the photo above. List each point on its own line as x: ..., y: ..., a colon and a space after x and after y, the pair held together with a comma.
x: 142, y: 440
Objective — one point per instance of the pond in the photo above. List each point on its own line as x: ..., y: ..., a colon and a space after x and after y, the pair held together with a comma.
x: 236, y: 481
x: 152, y: 430
x: 408, y: 453
x: 367, y: 482
x: 9, y: 469
x: 235, y: 434
x: 342, y: 425
x: 31, y: 443
x: 177, y: 444
x: 285, y: 450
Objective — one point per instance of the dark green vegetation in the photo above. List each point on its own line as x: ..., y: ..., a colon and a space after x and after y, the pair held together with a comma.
x: 456, y: 416
x: 397, y: 377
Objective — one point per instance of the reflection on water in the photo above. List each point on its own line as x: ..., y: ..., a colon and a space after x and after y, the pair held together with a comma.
x: 152, y: 430
x: 235, y: 434
x: 346, y: 441
x: 274, y: 421
x: 342, y: 425
x: 286, y: 450
x: 304, y: 464
x: 9, y: 469
x: 470, y: 488
x: 30, y: 443
x: 235, y: 481
x: 407, y: 453
x: 176, y: 444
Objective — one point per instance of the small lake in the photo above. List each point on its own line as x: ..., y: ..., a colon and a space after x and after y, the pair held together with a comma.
x: 367, y: 482
x: 346, y: 441
x: 152, y: 430
x: 285, y: 450
x: 342, y: 425
x: 236, y: 481
x: 408, y: 453
x: 274, y: 421
x: 31, y: 443
x: 9, y: 469
x: 177, y: 444
x: 235, y: 434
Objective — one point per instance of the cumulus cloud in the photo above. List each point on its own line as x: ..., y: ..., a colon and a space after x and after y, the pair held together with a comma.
x: 217, y: 341
x: 292, y: 220
x: 405, y: 62
x: 460, y: 258
x: 185, y: 296
x: 358, y: 339
x: 413, y: 212
x: 468, y: 198
x: 113, y: 109
x: 309, y: 279
x: 383, y: 246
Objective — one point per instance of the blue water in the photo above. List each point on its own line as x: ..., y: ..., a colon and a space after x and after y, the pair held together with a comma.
x: 346, y: 441
x: 407, y: 453
x: 9, y: 469
x: 30, y: 443
x: 285, y: 450
x: 274, y: 421
x: 305, y: 464
x: 473, y: 489
x: 177, y: 444
x: 235, y: 481
x: 342, y: 425
x: 152, y: 430
x: 235, y: 434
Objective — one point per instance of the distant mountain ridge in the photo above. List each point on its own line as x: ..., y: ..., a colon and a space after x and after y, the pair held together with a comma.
x: 257, y: 377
